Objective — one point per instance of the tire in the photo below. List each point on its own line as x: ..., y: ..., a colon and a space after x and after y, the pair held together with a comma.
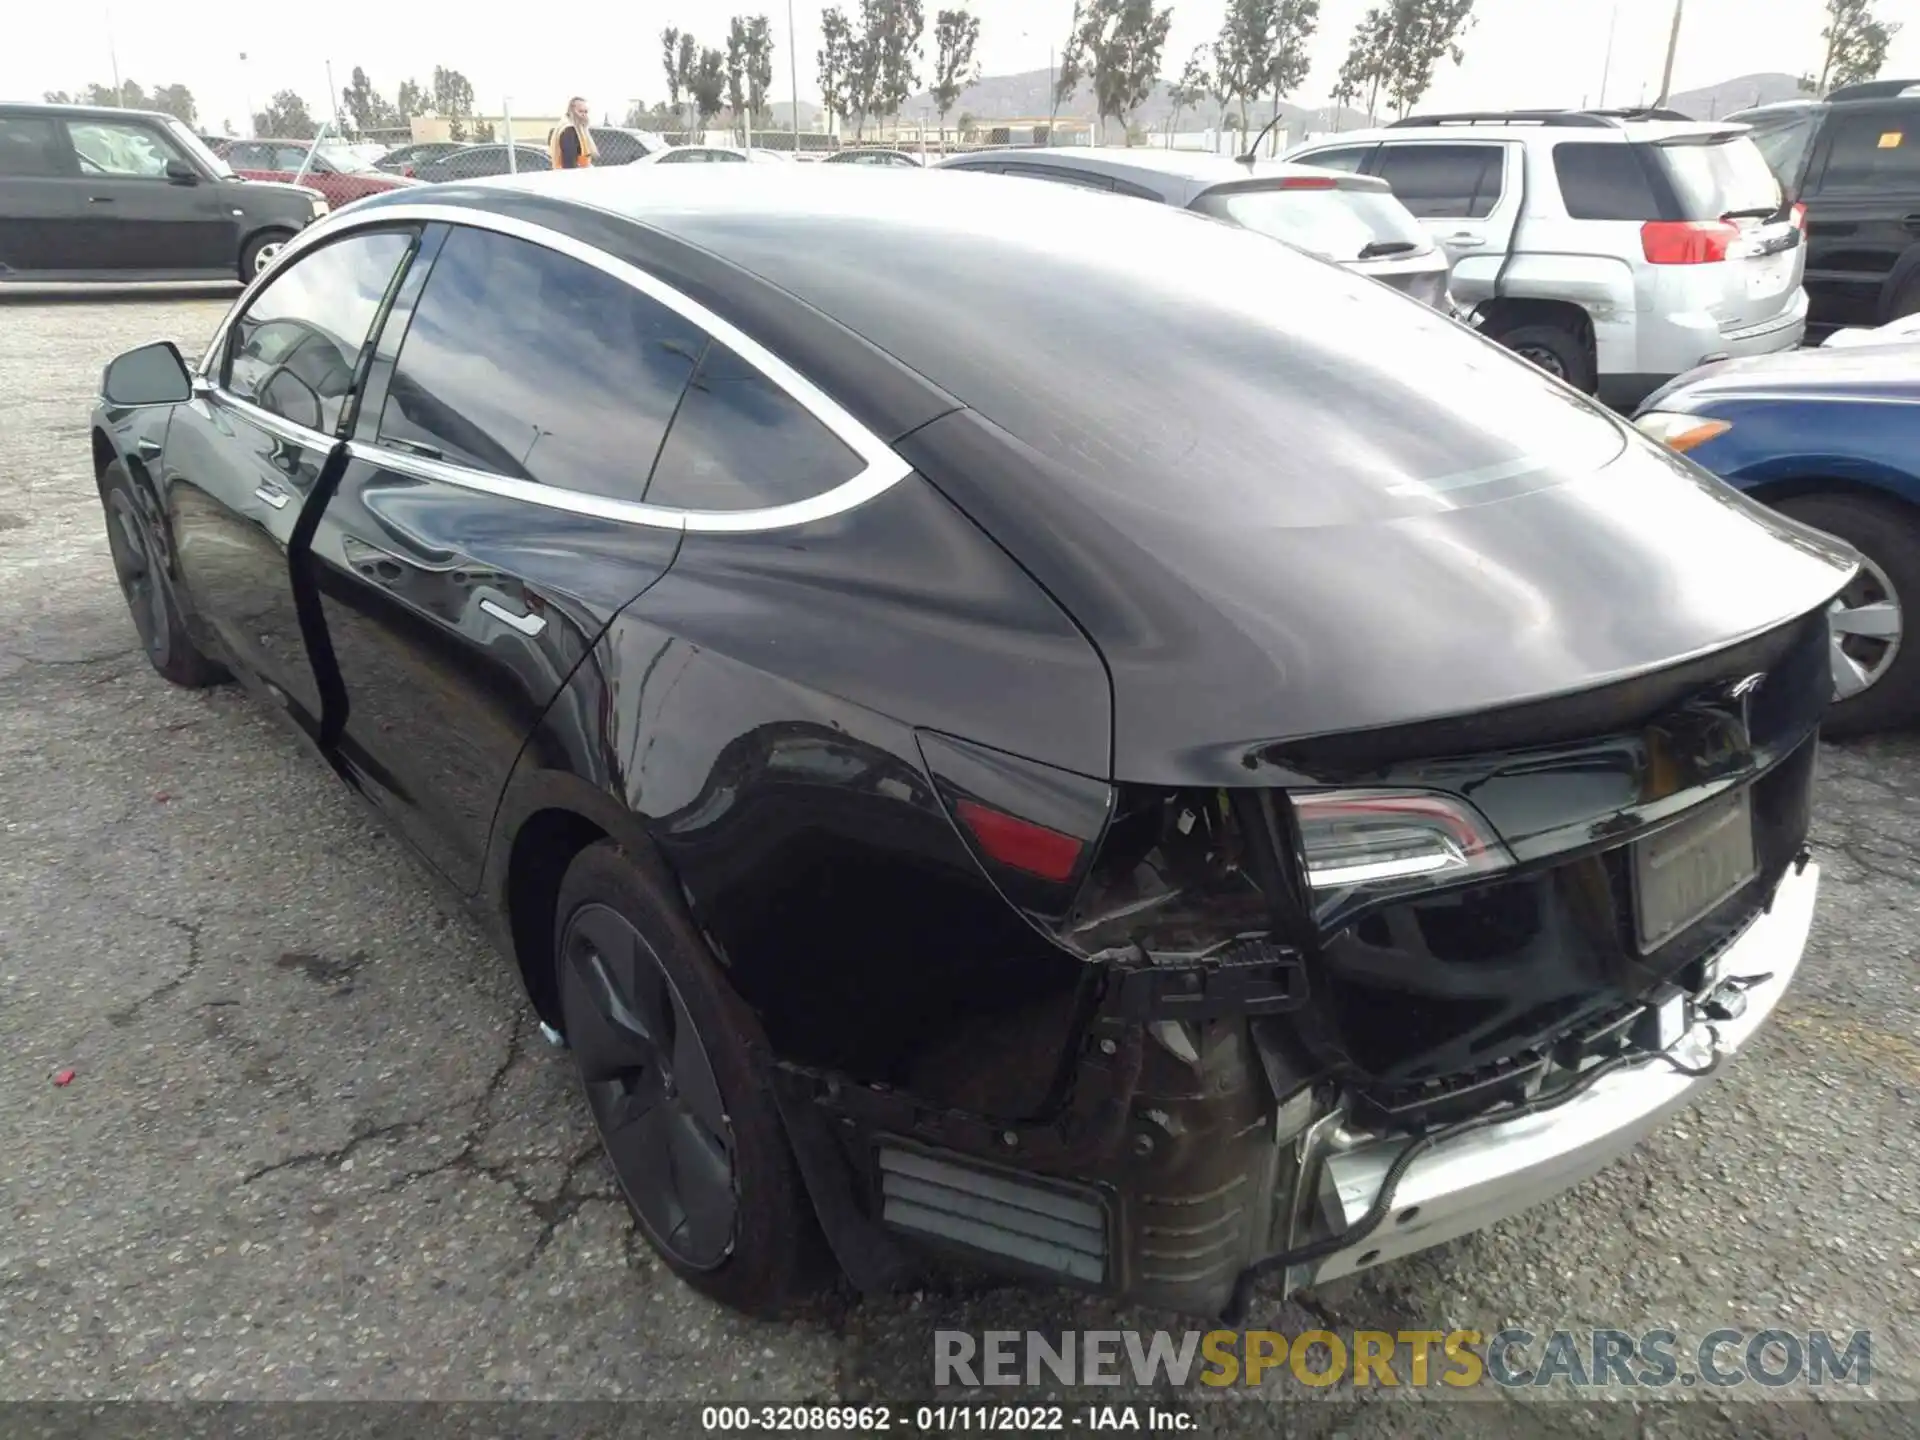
x: 1906, y: 300
x: 259, y: 251
x: 1556, y: 350
x: 633, y: 969
x: 1888, y: 536
x: 139, y: 565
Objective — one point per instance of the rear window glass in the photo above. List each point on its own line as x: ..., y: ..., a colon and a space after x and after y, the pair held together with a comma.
x: 1782, y: 143
x: 1723, y: 177
x: 1605, y: 182
x: 1185, y: 370
x: 1339, y: 224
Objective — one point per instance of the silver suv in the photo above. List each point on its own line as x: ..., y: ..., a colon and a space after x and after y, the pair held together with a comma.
x: 1615, y: 249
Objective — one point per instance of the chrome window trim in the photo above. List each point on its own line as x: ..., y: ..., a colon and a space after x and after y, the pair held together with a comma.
x: 277, y: 425
x: 883, y: 468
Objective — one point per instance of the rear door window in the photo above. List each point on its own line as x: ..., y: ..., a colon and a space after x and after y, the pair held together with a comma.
x: 1349, y: 158
x: 740, y: 442
x: 30, y: 147
x: 1876, y: 149
x: 527, y: 363
x: 1722, y: 175
x: 296, y: 348
x: 1444, y: 181
x: 1605, y: 182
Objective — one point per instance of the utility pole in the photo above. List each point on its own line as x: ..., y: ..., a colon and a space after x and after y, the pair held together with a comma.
x: 793, y: 79
x: 1673, y: 44
x: 1606, y: 65
x: 113, y: 62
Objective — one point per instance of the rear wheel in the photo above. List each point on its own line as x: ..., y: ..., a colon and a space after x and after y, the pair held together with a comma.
x: 1876, y: 676
x: 138, y: 565
x: 260, y: 251
x: 671, y: 1064
x: 1555, y: 349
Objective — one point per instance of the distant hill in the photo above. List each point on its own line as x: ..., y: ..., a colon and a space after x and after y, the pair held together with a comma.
x: 1741, y: 93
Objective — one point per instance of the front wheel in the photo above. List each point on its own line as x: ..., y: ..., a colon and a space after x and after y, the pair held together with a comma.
x: 671, y: 1064
x: 140, y: 567
x: 260, y: 252
x: 1876, y: 676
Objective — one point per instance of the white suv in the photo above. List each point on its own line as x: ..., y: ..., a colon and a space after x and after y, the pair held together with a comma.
x: 1615, y: 249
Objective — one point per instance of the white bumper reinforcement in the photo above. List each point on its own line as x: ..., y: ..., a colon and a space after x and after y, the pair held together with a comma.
x: 1469, y: 1182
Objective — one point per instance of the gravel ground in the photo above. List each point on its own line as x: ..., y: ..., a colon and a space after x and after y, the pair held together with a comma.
x: 314, y: 1147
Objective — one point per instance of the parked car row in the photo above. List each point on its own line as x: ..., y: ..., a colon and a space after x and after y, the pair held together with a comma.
x: 1104, y: 747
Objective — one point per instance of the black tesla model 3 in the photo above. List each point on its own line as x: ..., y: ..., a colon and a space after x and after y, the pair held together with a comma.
x: 1000, y: 721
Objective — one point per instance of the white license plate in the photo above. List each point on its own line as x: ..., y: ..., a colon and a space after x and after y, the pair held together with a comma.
x: 1683, y: 872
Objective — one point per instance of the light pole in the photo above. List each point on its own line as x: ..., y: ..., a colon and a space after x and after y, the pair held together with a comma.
x: 1673, y: 44
x: 1606, y: 65
x: 793, y: 80
x: 113, y: 63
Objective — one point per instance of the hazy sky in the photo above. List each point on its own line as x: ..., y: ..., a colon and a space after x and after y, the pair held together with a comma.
x: 1522, y: 52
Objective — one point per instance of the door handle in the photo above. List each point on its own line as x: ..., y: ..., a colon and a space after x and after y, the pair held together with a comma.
x: 525, y: 624
x: 275, y: 497
x: 147, y: 449
x: 100, y: 199
x: 1466, y: 240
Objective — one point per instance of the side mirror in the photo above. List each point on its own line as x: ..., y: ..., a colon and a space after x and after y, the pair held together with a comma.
x: 152, y: 375
x: 181, y: 173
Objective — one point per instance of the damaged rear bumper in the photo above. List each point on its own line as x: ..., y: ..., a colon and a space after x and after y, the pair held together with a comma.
x: 1476, y: 1179
x: 1171, y: 1174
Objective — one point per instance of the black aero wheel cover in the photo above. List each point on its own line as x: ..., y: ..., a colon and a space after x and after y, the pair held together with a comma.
x: 136, y: 567
x: 650, y: 1086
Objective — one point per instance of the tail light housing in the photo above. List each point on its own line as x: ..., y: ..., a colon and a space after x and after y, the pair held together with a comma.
x: 1800, y: 217
x: 1687, y: 242
x: 1363, y: 844
x: 1033, y: 828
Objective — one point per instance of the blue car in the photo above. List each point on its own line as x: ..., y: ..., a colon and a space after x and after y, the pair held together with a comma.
x: 1832, y: 439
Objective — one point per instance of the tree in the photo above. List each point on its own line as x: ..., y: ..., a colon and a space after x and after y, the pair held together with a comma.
x: 955, y: 34
x: 1072, y: 66
x: 670, y: 63
x: 1119, y: 43
x: 887, y: 54
x: 1856, y: 44
x: 709, y: 87
x: 453, y: 101
x: 1288, y: 57
x: 411, y: 100
x: 1424, y: 31
x: 1244, y: 51
x: 1191, y: 90
x: 1369, y: 61
x: 737, y: 72
x: 688, y: 61
x: 835, y: 62
x: 367, y: 108
x: 285, y: 118
x: 759, y: 69
x: 177, y: 101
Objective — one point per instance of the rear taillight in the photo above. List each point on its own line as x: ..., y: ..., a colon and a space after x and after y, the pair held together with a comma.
x: 1800, y: 218
x: 1369, y: 842
x: 1032, y: 827
x: 1019, y: 844
x: 1687, y: 242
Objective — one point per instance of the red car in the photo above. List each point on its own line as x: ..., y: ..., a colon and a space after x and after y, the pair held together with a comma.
x: 334, y: 171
